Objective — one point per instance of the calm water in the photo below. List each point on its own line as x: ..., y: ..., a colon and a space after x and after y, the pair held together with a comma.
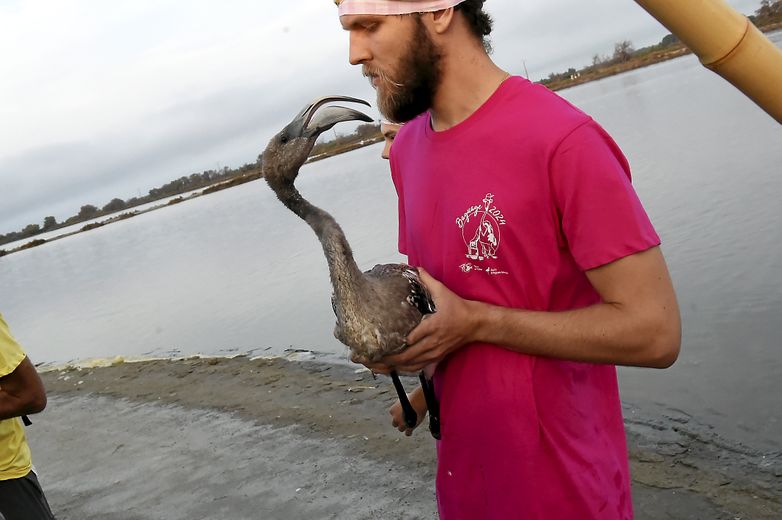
x: 236, y: 272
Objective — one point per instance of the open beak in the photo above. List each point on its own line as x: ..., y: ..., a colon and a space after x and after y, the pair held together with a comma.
x: 311, y: 121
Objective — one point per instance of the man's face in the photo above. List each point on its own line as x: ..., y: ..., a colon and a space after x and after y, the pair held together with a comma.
x: 389, y: 131
x: 399, y: 58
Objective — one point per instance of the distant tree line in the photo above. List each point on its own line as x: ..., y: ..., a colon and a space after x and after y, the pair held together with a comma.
x: 767, y: 16
x: 769, y: 13
x: 89, y: 211
x: 624, y: 51
x: 196, y: 181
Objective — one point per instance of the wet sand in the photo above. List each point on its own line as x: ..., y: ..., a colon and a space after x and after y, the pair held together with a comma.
x: 249, y: 439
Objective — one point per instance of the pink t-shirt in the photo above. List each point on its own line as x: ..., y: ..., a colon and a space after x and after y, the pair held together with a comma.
x: 511, y: 207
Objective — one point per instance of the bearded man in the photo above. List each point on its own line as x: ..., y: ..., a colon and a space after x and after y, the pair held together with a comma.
x: 545, y: 269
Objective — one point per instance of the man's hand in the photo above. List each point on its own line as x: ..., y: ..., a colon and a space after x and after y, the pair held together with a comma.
x: 418, y: 402
x: 376, y: 368
x: 438, y: 334
x: 451, y: 327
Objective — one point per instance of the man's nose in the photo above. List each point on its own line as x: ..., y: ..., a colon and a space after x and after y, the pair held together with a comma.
x: 359, y: 50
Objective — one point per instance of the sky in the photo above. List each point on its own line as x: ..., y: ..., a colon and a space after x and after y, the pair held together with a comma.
x: 110, y: 99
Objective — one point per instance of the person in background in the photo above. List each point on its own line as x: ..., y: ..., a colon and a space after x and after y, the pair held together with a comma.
x: 389, y: 131
x: 545, y: 269
x: 416, y: 397
x: 21, y: 393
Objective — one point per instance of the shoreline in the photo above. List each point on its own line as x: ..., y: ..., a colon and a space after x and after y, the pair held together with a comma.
x: 176, y: 199
x: 590, y: 74
x: 584, y: 76
x: 677, y: 473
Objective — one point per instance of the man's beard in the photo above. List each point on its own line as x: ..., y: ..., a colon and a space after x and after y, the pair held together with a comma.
x: 420, y: 71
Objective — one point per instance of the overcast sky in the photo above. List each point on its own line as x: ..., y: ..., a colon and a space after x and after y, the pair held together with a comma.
x: 109, y: 99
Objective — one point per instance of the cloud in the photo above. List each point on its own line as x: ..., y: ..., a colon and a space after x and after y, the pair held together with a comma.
x: 114, y: 98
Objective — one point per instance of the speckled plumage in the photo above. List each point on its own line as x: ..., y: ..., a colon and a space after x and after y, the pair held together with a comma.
x: 388, y: 305
x: 376, y: 309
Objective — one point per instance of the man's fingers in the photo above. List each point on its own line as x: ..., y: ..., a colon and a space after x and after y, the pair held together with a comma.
x: 412, y: 369
x: 377, y: 368
x: 424, y: 352
x: 413, y: 352
x: 422, y: 330
x: 429, y: 282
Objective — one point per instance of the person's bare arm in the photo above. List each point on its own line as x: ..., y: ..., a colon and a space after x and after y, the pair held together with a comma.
x: 418, y: 402
x: 21, y: 392
x: 637, y: 323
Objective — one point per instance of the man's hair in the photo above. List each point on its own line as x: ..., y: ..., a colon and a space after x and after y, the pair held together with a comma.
x: 479, y: 21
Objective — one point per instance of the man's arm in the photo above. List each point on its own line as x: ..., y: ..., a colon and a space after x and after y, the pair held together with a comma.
x: 418, y: 402
x: 21, y: 392
x: 637, y: 323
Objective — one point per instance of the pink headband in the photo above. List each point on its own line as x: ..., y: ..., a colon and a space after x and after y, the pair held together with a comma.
x: 388, y: 7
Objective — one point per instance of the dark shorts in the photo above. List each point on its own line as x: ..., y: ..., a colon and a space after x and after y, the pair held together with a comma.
x: 23, y: 499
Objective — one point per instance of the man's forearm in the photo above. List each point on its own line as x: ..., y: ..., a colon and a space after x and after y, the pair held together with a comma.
x: 22, y: 392
x: 636, y: 324
x: 602, y: 333
x: 13, y: 406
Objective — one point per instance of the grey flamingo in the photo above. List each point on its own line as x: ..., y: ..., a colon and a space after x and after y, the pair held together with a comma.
x: 376, y: 309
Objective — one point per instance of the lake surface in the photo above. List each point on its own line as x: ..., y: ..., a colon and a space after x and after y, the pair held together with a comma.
x: 235, y: 272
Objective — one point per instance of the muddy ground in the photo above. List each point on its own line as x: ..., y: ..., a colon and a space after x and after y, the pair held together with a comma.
x: 272, y: 438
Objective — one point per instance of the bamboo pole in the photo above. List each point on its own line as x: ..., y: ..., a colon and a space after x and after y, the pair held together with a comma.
x: 727, y: 43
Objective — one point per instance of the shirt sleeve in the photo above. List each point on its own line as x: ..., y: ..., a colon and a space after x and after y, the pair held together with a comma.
x: 601, y: 216
x: 11, y: 354
x: 395, y: 177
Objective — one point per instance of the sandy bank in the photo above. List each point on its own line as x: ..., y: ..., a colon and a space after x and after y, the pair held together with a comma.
x: 235, y: 438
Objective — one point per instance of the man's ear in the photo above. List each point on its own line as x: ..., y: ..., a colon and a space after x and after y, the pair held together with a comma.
x: 442, y: 20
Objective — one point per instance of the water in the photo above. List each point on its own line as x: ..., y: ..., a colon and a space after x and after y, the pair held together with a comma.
x: 230, y: 272
x: 235, y: 272
x: 707, y: 164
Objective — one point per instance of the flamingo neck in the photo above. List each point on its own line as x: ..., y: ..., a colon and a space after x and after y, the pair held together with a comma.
x: 346, y: 277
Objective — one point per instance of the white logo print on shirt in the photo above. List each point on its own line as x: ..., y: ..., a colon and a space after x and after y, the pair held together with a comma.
x: 480, y: 226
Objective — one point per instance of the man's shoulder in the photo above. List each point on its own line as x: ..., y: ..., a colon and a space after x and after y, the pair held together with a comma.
x: 11, y: 354
x: 545, y: 114
x: 414, y: 126
x: 520, y: 111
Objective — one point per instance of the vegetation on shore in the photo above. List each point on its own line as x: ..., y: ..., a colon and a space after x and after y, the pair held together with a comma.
x: 89, y: 211
x: 211, y: 181
x: 768, y: 17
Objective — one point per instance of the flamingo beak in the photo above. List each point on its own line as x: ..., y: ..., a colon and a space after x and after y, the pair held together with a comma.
x: 313, y: 121
x: 327, y: 117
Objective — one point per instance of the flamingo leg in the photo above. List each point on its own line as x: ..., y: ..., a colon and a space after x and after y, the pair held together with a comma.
x: 411, y: 418
x: 431, y: 404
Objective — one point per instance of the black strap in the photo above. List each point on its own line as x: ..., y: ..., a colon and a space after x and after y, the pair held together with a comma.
x: 411, y: 418
x: 26, y: 420
x: 432, y: 405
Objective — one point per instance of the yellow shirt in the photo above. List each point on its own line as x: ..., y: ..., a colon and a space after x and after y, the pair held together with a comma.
x: 15, y: 460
